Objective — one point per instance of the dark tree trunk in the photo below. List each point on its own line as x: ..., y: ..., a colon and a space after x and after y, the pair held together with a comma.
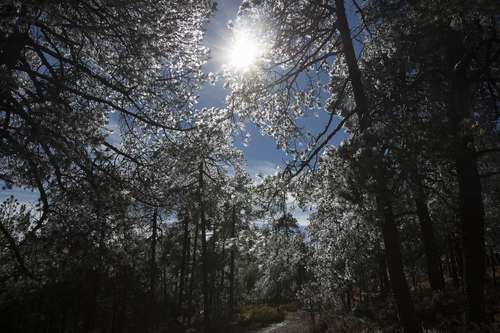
x: 431, y: 253
x: 91, y: 291
x: 459, y: 259
x: 185, y: 259
x: 399, y: 284
x: 220, y: 288
x: 454, y: 254
x: 203, y: 223
x: 493, y: 265
x: 151, y: 315
x: 152, y: 264
x: 232, y: 263
x: 389, y: 229
x: 352, y: 65
x: 193, y: 266
x: 469, y: 183
x: 473, y: 237
x: 384, y: 279
x: 12, y: 47
x: 212, y: 273
x: 453, y: 264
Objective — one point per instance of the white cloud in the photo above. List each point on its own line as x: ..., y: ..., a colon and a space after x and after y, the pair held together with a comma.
x: 258, y: 169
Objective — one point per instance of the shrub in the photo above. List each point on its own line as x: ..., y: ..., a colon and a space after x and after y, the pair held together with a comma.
x: 290, y: 307
x: 264, y: 314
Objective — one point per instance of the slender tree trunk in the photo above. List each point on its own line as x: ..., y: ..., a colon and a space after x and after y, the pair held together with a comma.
x: 212, y: 272
x: 453, y: 254
x: 203, y: 222
x: 232, y: 263
x: 431, y: 253
x: 459, y: 259
x: 469, y: 183
x: 493, y: 265
x: 348, y: 297
x: 220, y: 288
x: 152, y: 264
x: 453, y: 264
x: 389, y: 229
x: 151, y: 315
x: 185, y: 259
x: 193, y: 266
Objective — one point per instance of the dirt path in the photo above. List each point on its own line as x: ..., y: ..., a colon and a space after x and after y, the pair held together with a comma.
x: 295, y: 322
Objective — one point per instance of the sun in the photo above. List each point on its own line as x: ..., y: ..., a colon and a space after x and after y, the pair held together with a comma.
x: 245, y: 51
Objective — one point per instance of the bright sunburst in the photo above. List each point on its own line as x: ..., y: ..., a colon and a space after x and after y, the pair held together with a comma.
x: 245, y: 51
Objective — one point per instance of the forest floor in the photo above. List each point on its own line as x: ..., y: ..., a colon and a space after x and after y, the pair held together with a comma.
x: 295, y: 322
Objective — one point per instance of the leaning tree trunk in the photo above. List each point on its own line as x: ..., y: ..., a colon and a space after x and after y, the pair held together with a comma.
x: 389, y: 228
x: 469, y: 183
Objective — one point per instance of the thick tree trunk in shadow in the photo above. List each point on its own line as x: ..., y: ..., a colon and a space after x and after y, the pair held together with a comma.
x: 397, y: 277
x: 384, y: 279
x: 91, y: 291
x: 469, y: 183
x: 472, y: 211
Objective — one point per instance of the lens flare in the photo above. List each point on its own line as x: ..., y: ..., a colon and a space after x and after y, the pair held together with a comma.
x: 244, y: 52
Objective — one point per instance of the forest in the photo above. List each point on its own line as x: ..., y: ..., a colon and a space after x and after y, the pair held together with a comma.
x: 127, y: 203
